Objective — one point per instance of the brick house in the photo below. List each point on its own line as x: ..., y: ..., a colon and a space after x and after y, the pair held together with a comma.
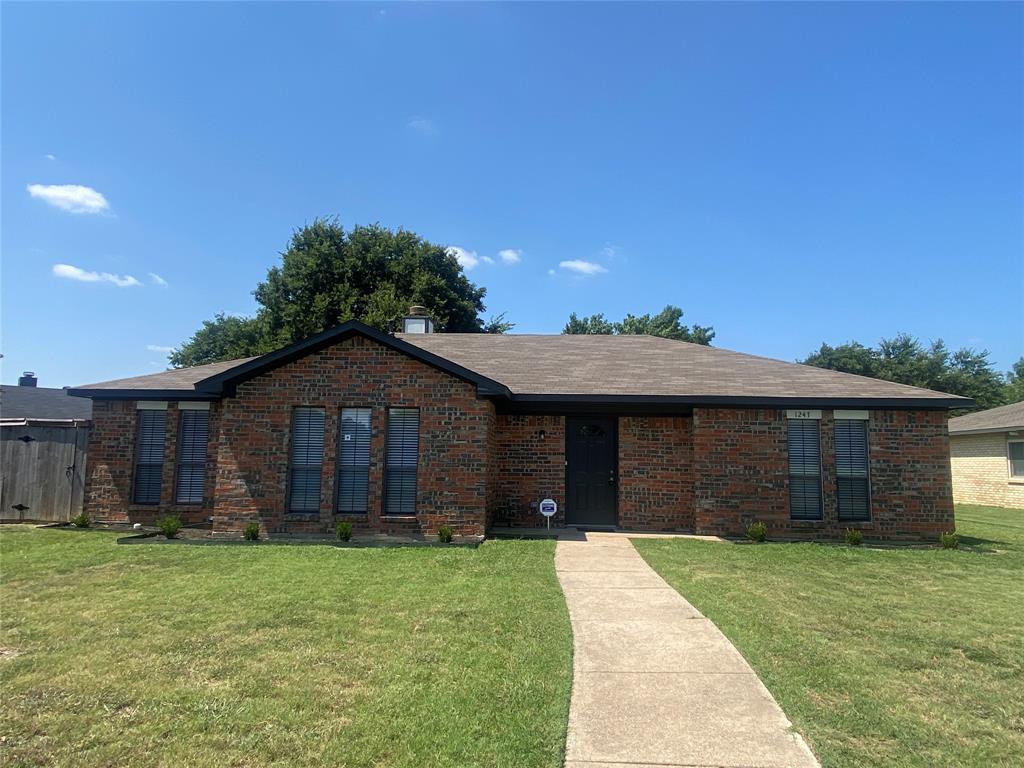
x: 987, y: 456
x: 404, y: 433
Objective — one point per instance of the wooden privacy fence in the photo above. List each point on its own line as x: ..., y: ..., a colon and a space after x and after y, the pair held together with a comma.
x: 42, y: 469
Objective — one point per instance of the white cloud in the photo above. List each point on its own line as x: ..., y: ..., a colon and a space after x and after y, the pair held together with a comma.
x: 155, y: 279
x: 511, y: 255
x: 70, y: 197
x: 581, y: 267
x: 158, y: 348
x: 468, y: 259
x: 486, y: 259
x: 76, y: 273
x: 610, y: 251
x: 422, y: 125
x: 50, y: 157
x: 551, y: 271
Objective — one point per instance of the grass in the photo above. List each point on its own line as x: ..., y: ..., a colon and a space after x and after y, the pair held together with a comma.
x: 880, y: 657
x: 283, y: 656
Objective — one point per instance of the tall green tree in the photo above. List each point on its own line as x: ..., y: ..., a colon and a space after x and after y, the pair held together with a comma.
x: 328, y: 275
x: 904, y: 359
x: 667, y: 323
x: 1014, y: 390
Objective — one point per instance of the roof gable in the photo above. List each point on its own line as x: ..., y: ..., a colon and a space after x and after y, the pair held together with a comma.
x: 224, y: 383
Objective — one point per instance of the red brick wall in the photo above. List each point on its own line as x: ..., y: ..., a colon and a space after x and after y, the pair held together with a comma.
x: 911, y: 481
x: 739, y: 469
x: 253, y: 443
x: 656, y: 473
x: 530, y: 467
x: 108, y: 477
x: 108, y: 487
x: 741, y: 474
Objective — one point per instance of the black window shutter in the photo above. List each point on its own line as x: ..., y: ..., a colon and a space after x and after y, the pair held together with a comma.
x: 403, y: 444
x: 354, y: 460
x: 852, y: 490
x: 149, y: 456
x: 193, y: 437
x: 804, y: 441
x: 306, y: 459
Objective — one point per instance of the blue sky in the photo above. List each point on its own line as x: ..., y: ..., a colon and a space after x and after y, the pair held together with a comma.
x: 789, y: 174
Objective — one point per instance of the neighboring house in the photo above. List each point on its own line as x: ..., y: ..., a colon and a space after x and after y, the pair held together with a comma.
x: 987, y: 456
x: 405, y: 433
x: 43, y: 437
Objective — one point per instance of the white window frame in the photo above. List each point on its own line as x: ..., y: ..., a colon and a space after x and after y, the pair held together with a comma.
x: 1009, y: 461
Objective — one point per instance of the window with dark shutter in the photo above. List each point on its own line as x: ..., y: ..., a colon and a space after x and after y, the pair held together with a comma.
x: 403, y: 444
x: 306, y: 458
x: 354, y: 460
x: 149, y: 456
x: 193, y: 436
x: 852, y: 491
x: 804, y: 469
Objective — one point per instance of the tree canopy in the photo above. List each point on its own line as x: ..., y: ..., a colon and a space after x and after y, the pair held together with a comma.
x: 667, y: 323
x: 1014, y: 392
x: 904, y: 359
x: 328, y: 275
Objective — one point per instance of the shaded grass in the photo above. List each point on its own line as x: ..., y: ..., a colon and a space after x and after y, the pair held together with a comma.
x: 880, y: 657
x: 283, y: 656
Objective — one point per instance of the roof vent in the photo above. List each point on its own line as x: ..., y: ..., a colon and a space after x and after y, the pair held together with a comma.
x: 417, y: 321
x: 27, y: 379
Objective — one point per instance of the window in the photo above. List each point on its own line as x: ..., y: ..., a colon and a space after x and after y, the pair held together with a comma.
x: 149, y: 456
x: 852, y: 492
x: 402, y: 457
x: 804, y: 469
x: 354, y: 460
x: 307, y: 458
x: 193, y: 435
x: 1015, y: 450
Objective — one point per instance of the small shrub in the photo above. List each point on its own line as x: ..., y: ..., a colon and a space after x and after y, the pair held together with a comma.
x: 344, y: 531
x: 950, y: 540
x: 252, y: 532
x: 854, y: 537
x: 169, y: 525
x: 81, y: 520
x: 444, y: 534
x: 757, y: 531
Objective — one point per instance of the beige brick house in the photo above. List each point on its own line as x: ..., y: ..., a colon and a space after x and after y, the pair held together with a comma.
x: 987, y: 457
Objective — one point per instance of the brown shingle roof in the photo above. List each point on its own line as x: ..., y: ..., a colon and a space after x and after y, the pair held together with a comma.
x: 176, y: 379
x: 565, y: 366
x: 1005, y: 417
x: 645, y: 365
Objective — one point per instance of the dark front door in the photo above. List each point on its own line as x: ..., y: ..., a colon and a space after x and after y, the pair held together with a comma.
x: 591, y: 470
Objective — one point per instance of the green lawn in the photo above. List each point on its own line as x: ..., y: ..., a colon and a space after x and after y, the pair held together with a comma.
x: 286, y: 656
x: 881, y: 657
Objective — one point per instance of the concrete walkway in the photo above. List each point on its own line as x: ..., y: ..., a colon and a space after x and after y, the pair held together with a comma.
x: 654, y: 682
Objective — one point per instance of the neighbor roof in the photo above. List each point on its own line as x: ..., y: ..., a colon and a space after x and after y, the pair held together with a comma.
x: 1003, y: 418
x: 561, y: 368
x: 41, y: 403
